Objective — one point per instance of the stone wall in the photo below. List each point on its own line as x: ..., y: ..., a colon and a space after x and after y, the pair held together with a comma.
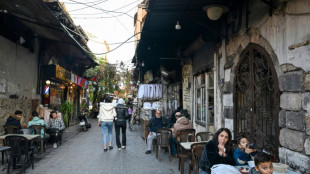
x: 8, y: 106
x: 18, y: 80
x: 276, y: 34
x: 186, y: 87
x: 294, y: 118
x: 18, y: 70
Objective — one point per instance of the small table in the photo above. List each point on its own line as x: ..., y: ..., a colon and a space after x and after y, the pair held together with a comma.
x: 288, y: 170
x: 3, y: 149
x: 187, y: 146
x: 29, y: 137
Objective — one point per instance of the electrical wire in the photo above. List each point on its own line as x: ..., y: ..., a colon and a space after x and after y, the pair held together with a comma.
x: 106, y: 11
x: 104, y: 16
x: 113, y: 43
x: 86, y: 6
x: 65, y: 28
x: 95, y: 40
x: 99, y: 13
x: 87, y: 2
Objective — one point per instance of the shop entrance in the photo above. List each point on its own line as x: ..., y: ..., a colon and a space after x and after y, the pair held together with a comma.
x: 256, y: 98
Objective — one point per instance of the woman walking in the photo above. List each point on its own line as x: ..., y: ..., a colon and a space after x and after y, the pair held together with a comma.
x: 105, y: 121
x: 120, y: 123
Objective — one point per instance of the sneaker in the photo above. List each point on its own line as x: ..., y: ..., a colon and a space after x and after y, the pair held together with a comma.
x: 119, y: 149
x: 110, y: 147
x: 105, y: 150
x: 55, y: 145
x: 148, y: 152
x: 123, y: 147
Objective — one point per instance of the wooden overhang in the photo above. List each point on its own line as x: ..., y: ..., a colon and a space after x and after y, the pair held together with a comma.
x: 36, y: 16
x: 160, y: 39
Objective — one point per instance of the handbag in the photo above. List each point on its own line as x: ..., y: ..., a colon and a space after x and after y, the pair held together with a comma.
x: 224, y: 168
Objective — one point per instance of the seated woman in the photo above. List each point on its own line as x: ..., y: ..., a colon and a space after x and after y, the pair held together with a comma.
x: 55, y: 125
x: 217, y: 151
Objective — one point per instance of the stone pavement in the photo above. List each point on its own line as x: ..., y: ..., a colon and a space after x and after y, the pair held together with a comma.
x: 82, y: 153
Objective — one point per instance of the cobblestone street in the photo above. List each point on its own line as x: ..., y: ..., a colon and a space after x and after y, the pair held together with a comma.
x: 82, y: 153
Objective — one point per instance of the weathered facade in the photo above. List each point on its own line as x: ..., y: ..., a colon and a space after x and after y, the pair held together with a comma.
x: 30, y: 40
x: 253, y: 78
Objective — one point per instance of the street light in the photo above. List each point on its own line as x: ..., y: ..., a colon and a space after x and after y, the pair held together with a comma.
x: 215, y: 11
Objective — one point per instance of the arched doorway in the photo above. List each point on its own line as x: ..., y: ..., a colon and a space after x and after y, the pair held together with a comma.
x: 256, y: 99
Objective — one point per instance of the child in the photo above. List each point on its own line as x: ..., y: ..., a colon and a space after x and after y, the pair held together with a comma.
x: 243, y: 154
x: 263, y: 164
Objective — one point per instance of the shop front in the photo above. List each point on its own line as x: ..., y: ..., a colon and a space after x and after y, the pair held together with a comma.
x: 60, y: 85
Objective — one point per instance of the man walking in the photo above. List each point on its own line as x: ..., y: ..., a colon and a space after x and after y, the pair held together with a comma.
x: 154, y: 124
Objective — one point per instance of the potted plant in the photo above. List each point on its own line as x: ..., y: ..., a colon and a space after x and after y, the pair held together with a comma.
x: 66, y: 108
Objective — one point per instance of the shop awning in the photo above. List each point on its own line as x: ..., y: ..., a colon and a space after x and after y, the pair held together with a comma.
x: 36, y: 15
x: 160, y: 39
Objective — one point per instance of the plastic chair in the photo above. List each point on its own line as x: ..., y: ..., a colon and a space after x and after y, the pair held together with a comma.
x: 43, y: 141
x: 196, y: 151
x: 163, y: 137
x: 20, y: 149
x: 203, y: 136
x: 186, y: 135
x: 11, y: 129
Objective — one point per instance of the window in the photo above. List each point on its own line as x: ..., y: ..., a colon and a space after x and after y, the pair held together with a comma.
x: 200, y: 99
x: 210, y: 97
x: 204, y: 98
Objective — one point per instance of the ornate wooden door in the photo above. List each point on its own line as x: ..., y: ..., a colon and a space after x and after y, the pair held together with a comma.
x: 256, y: 99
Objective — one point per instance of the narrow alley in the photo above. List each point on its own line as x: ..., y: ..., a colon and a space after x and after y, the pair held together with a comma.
x: 82, y: 153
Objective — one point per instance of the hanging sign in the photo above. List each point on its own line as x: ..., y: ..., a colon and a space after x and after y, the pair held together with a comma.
x: 60, y: 72
x: 81, y: 81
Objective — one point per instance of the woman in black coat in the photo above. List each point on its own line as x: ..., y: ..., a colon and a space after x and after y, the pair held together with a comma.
x: 120, y: 123
x: 217, y: 151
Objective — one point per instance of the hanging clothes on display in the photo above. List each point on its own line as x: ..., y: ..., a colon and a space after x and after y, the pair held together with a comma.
x: 150, y: 91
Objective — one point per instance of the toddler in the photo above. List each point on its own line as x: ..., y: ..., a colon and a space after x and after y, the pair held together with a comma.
x: 243, y: 153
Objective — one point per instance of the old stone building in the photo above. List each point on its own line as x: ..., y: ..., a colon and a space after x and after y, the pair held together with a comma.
x: 247, y: 70
x: 31, y: 37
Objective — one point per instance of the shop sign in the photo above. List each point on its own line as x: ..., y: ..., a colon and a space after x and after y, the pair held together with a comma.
x: 67, y: 75
x: 81, y: 81
x: 73, y: 78
x: 60, y: 72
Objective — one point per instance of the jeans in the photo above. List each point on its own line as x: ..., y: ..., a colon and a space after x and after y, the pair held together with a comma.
x: 173, y: 146
x: 54, y: 134
x: 106, y: 128
x: 117, y: 132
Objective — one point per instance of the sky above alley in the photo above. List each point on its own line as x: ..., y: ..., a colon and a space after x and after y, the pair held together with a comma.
x: 105, y: 20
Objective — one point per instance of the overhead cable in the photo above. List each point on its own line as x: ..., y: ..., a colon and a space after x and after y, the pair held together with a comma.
x: 65, y: 28
x: 107, y: 11
x: 86, y: 6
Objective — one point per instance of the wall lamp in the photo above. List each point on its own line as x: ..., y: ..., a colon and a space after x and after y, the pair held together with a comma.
x: 215, y: 11
x: 178, y: 26
x: 164, y: 73
x: 48, y: 82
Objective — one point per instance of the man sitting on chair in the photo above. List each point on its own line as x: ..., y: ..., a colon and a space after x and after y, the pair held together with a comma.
x: 181, y: 124
x: 14, y: 120
x: 154, y: 124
